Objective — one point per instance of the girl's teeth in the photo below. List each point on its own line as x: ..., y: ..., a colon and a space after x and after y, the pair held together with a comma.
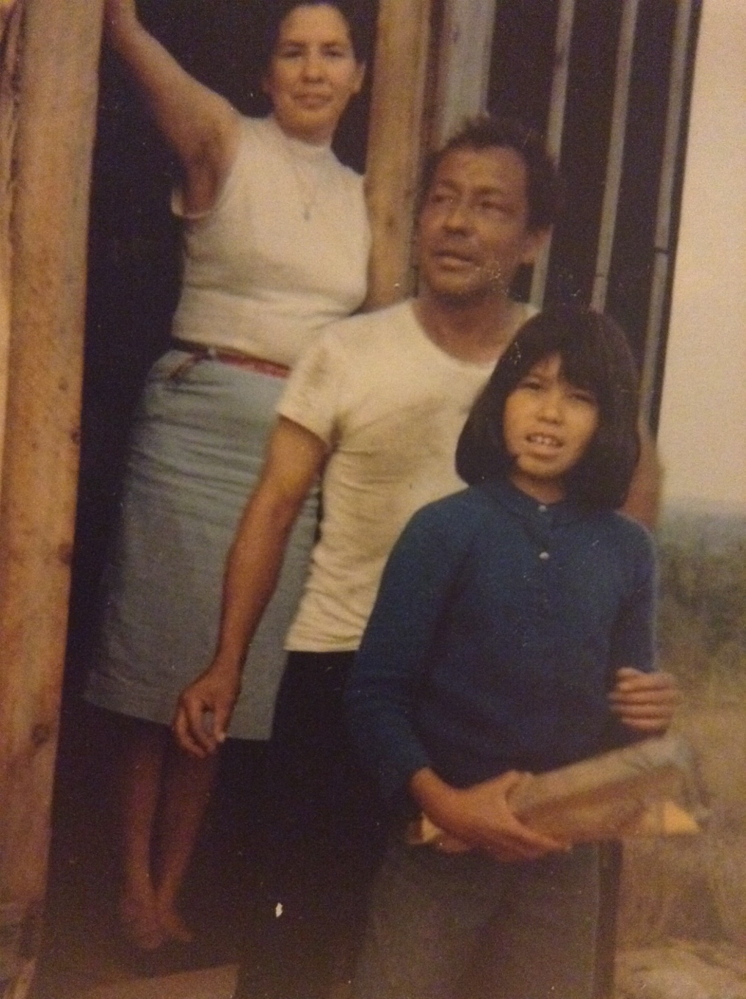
x: 540, y: 439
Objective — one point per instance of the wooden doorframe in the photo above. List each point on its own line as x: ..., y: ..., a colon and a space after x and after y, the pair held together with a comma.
x: 431, y: 72
x: 398, y: 136
x: 48, y: 89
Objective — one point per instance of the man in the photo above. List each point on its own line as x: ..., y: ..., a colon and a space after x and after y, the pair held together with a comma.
x: 376, y: 406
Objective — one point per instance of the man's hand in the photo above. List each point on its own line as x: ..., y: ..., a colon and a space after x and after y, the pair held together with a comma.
x: 645, y: 702
x: 294, y: 460
x: 203, y: 712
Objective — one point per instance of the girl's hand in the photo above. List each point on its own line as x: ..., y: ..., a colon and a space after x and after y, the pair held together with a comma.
x: 486, y: 820
x: 645, y: 702
x: 480, y: 817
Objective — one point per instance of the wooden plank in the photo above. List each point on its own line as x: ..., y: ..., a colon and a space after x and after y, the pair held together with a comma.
x: 396, y: 142
x: 52, y: 88
x: 615, y: 157
x: 664, y: 224
x: 463, y: 63
x: 555, y: 127
x: 620, y: 793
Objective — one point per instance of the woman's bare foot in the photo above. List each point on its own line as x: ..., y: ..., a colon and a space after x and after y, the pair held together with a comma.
x: 141, y: 925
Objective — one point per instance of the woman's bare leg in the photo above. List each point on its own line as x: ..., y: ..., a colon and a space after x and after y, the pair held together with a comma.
x: 186, y: 784
x: 143, y: 751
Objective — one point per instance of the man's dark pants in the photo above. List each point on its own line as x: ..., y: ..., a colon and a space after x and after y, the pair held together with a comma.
x: 323, y: 834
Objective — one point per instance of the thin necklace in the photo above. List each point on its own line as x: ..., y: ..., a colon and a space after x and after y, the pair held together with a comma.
x: 308, y: 190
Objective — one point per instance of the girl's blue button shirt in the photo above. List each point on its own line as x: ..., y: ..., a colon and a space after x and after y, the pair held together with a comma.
x: 498, y: 628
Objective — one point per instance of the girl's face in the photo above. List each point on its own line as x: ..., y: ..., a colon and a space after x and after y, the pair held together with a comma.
x: 548, y: 424
x: 313, y: 72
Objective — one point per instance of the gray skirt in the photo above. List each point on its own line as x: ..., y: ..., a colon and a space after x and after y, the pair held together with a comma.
x: 196, y: 453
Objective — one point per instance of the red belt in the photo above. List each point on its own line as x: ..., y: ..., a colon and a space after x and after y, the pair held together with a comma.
x: 200, y: 352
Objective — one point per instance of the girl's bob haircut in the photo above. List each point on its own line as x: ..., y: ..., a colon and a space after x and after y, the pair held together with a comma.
x: 595, y: 356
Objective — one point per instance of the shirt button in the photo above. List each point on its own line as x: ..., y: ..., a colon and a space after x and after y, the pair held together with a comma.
x: 543, y: 556
x: 542, y: 508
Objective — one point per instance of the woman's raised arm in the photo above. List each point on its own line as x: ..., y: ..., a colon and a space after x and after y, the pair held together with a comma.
x: 200, y: 126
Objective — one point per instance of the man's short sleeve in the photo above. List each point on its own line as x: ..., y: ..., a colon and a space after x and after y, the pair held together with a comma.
x: 312, y: 395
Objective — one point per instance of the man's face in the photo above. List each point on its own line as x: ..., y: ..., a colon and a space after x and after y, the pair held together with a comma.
x: 473, y: 228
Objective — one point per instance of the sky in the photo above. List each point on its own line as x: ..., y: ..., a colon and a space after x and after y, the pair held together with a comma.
x: 702, y: 434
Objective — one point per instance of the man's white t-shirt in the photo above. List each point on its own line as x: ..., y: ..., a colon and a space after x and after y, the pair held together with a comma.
x: 390, y: 406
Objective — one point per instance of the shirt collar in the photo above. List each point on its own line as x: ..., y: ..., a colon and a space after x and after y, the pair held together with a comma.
x: 526, y: 507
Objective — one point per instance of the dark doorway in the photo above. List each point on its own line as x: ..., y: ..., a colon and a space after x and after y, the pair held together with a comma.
x: 133, y: 284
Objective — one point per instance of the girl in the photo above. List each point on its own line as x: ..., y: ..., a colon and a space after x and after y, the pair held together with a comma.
x: 509, y: 620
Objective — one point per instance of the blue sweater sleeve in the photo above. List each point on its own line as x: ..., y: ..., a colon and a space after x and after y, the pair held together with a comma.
x: 393, y: 655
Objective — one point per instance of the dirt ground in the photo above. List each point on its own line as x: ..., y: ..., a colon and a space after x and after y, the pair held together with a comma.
x: 682, y: 919
x: 82, y: 948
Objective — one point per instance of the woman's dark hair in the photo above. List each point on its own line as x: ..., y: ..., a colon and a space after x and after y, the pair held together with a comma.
x: 594, y: 355
x: 359, y: 15
x: 484, y: 132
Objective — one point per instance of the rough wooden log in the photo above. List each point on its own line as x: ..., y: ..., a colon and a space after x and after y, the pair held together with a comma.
x: 47, y: 110
x: 9, y: 32
x: 402, y: 67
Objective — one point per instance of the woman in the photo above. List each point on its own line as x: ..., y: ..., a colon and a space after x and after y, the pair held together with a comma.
x: 276, y: 243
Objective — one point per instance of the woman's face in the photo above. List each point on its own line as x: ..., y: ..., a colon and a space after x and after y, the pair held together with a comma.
x: 313, y: 72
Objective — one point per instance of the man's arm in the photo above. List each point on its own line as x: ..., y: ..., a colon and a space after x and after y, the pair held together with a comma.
x: 294, y: 460
x: 644, y: 491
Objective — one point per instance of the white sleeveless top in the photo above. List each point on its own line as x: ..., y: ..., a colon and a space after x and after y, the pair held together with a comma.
x: 283, y: 252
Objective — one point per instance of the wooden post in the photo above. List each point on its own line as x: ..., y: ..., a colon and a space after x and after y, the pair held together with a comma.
x: 47, y: 115
x: 396, y: 137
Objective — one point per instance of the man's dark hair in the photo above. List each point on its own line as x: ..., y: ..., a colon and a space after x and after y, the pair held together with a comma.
x: 594, y: 355
x: 359, y: 15
x: 485, y: 132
